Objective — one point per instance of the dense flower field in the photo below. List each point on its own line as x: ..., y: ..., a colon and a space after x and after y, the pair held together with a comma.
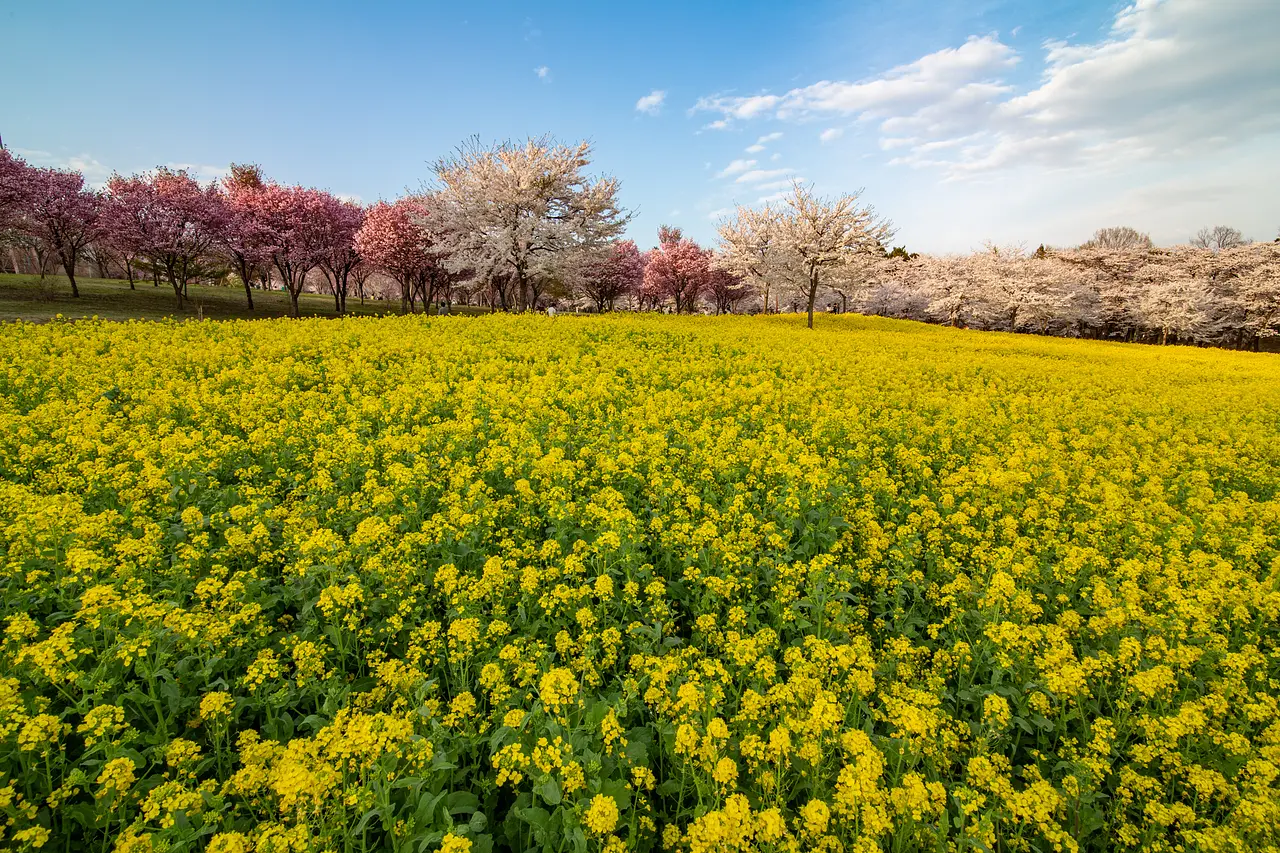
x: 641, y: 583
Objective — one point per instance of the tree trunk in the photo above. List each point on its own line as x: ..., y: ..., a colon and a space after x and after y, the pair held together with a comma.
x: 248, y: 291
x: 178, y: 289
x: 71, y: 274
x: 813, y: 293
x: 293, y: 302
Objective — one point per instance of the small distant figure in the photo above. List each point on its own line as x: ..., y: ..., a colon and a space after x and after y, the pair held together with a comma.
x: 551, y: 310
x: 442, y: 309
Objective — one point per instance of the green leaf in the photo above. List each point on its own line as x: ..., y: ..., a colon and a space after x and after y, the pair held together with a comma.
x: 462, y: 802
x: 535, y: 816
x: 550, y: 791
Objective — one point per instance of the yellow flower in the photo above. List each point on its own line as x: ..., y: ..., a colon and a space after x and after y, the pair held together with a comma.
x: 116, y: 777
x: 995, y: 712
x: 455, y: 844
x: 228, y: 842
x: 816, y: 815
x: 558, y: 689
x: 602, y: 815
x: 216, y: 706
x: 726, y: 772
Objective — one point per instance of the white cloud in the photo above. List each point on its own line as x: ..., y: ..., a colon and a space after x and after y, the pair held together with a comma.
x: 95, y: 173
x: 718, y: 124
x: 831, y: 134
x: 933, y: 78
x: 1173, y: 79
x: 542, y: 71
x: 782, y: 184
x: 760, y: 143
x: 772, y: 197
x: 755, y: 176
x: 736, y: 167
x: 652, y: 102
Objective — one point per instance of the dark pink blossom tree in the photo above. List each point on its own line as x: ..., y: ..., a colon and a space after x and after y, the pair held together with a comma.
x: 60, y: 213
x: 726, y: 289
x: 294, y: 222
x: 190, y: 220
x: 13, y: 187
x: 342, y: 220
x: 614, y: 274
x: 677, y: 269
x: 245, y: 240
x: 128, y: 221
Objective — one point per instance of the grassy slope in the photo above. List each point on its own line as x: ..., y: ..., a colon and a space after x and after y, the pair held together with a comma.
x: 24, y: 297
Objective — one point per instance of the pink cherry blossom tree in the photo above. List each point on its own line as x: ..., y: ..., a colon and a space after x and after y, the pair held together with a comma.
x: 60, y: 214
x: 246, y: 243
x: 677, y: 269
x: 13, y: 187
x: 392, y: 240
x: 190, y: 220
x: 294, y: 224
x: 342, y: 220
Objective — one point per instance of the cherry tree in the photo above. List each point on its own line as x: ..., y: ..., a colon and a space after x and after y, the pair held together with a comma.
x: 509, y: 208
x: 246, y: 241
x: 609, y: 274
x: 189, y: 221
x: 1258, y: 292
x: 1113, y: 277
x: 342, y: 220
x: 59, y: 214
x: 392, y: 239
x: 726, y: 289
x: 749, y: 247
x: 677, y: 269
x: 13, y: 187
x: 955, y: 285
x: 294, y: 224
x: 1172, y: 301
x: 129, y: 220
x: 815, y: 233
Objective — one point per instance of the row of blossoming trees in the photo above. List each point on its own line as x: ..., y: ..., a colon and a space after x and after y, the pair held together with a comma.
x: 510, y: 226
x: 517, y: 226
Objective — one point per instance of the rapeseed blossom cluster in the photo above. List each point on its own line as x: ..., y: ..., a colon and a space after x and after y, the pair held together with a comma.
x: 634, y: 583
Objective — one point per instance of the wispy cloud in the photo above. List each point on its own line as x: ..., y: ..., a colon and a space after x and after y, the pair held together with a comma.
x: 652, y: 102
x: 735, y: 168
x: 760, y: 143
x: 1151, y: 89
x: 755, y: 176
x: 543, y: 72
x: 831, y: 134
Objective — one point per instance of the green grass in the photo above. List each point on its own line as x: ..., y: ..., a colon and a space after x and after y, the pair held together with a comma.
x: 26, y: 297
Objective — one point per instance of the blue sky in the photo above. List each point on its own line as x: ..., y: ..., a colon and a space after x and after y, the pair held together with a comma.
x: 964, y: 121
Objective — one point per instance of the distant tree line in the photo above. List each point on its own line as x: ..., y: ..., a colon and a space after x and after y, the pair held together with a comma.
x: 522, y: 226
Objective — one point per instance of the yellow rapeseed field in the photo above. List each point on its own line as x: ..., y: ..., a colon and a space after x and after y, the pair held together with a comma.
x: 634, y: 583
